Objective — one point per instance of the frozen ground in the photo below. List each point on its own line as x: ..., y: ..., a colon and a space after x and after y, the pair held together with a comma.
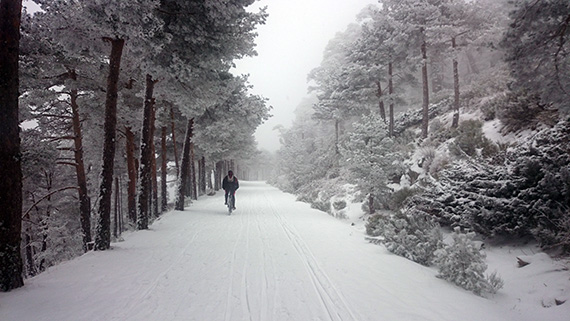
x: 274, y: 259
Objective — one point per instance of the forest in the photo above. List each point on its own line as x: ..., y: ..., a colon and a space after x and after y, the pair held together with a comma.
x: 431, y: 113
x: 115, y: 99
x: 442, y: 115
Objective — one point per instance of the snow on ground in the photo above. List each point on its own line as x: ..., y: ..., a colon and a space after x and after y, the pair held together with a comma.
x: 273, y: 259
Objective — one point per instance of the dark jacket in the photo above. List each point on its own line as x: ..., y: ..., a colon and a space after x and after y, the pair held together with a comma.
x: 230, y: 185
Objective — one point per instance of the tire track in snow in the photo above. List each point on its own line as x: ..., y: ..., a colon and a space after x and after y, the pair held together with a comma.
x: 246, y: 308
x: 331, y: 298
x: 233, y: 262
x: 263, y: 312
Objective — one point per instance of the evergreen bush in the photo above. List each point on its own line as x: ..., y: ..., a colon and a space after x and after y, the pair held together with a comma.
x: 412, y: 234
x: 470, y: 139
x: 462, y: 263
x: 520, y: 110
x: 399, y: 197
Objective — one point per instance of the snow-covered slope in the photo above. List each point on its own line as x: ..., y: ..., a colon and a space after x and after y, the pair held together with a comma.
x: 273, y: 259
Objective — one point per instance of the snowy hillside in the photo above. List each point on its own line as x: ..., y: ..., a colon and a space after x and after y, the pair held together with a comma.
x: 274, y: 259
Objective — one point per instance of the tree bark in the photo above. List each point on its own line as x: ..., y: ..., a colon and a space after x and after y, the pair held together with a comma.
x: 145, y: 170
x: 425, y: 105
x: 84, y: 200
x: 391, y: 94
x: 218, y: 175
x: 455, y: 122
x: 202, y: 173
x: 184, y: 167
x: 11, y: 266
x: 154, y: 202
x: 103, y: 235
x: 163, y: 168
x: 132, y: 174
x: 175, y: 149
x: 381, y: 101
x: 193, y: 173
x: 117, y: 206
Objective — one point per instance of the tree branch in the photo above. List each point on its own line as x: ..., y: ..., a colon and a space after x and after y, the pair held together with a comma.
x: 46, y: 196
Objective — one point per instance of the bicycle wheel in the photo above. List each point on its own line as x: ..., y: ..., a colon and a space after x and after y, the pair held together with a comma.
x: 230, y: 203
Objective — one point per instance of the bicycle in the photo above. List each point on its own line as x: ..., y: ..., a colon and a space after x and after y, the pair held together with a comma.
x: 231, y: 203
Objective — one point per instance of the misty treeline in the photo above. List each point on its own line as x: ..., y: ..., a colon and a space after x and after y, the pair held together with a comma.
x: 116, y: 99
x: 401, y: 104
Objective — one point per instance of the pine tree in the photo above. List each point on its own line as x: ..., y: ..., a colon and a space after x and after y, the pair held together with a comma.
x: 538, y: 46
x: 10, y: 157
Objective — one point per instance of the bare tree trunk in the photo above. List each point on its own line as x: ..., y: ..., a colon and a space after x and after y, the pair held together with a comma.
x: 455, y: 122
x: 391, y: 93
x: 218, y: 175
x: 116, y: 220
x: 210, y: 185
x: 425, y: 105
x: 163, y: 189
x: 84, y: 200
x: 145, y: 171
x: 380, y: 101
x: 202, y: 173
x: 193, y: 173
x: 184, y: 167
x: 103, y: 236
x: 173, y: 127
x: 11, y: 266
x: 154, y: 171
x: 132, y: 174
x: 45, y: 221
x: 30, y: 264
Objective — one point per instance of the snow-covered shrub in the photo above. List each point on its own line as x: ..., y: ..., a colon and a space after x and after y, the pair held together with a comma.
x: 339, y: 205
x: 464, y: 264
x: 373, y: 226
x: 412, y: 234
x: 400, y: 196
x: 414, y: 117
x: 324, y: 206
x: 523, y: 109
x: 470, y: 139
x: 433, y: 161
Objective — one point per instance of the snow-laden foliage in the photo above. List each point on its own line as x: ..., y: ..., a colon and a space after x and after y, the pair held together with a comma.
x: 371, y: 157
x: 537, y: 46
x: 413, y: 118
x: 524, y: 191
x: 524, y: 109
x: 470, y: 140
x: 410, y: 233
x: 463, y: 263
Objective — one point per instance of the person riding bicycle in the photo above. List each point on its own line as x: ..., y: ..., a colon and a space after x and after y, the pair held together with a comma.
x: 230, y: 184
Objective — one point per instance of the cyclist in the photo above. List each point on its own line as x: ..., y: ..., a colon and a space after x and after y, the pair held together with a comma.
x: 230, y: 184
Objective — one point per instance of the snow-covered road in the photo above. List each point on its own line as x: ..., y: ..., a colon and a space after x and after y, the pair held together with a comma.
x: 273, y: 259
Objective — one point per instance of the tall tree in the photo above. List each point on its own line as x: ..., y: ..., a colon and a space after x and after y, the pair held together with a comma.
x: 339, y: 85
x: 10, y: 159
x: 145, y: 177
x: 425, y: 22
x: 207, y: 37
x: 538, y: 49
x: 379, y: 50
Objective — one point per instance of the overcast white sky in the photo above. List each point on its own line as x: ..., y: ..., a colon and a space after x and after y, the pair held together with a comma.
x: 289, y: 45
